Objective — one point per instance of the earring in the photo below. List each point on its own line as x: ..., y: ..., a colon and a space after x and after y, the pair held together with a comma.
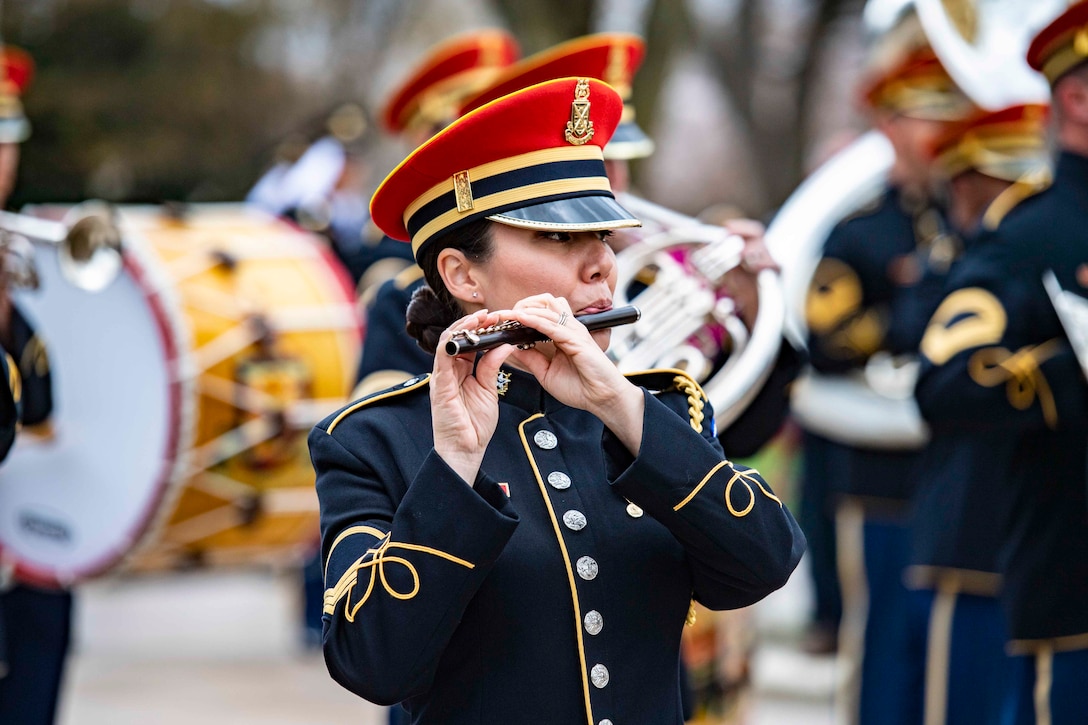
x: 475, y: 295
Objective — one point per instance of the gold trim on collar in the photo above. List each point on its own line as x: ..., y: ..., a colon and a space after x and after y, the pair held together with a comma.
x: 375, y: 398
x: 1023, y: 188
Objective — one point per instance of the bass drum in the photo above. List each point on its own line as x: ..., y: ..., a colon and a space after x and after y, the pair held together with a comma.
x: 183, y: 393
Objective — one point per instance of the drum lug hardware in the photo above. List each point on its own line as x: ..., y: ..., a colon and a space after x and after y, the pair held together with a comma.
x: 225, y: 260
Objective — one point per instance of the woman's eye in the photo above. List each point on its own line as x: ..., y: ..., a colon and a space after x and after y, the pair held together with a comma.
x: 604, y: 235
x: 556, y: 236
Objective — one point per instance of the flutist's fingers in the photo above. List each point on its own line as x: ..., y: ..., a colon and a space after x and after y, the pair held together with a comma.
x: 464, y: 402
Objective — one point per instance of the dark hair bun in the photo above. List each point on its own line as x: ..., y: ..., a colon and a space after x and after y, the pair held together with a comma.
x: 428, y: 318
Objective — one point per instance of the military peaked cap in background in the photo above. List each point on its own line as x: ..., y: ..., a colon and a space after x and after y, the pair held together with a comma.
x: 918, y: 86
x: 16, y: 72
x: 452, y: 70
x: 1008, y: 144
x: 610, y: 57
x: 1063, y: 45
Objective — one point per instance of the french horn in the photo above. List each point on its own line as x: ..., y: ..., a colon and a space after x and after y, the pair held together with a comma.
x: 686, y: 323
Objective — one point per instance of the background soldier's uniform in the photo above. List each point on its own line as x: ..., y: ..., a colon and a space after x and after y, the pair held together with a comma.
x: 863, y: 300
x: 963, y: 502
x: 34, y: 623
x: 960, y: 512
x: 10, y: 395
x: 1007, y: 362
x: 390, y: 355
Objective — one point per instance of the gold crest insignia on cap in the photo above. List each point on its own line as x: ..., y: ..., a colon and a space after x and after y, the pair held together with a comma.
x: 579, y: 127
x: 462, y: 190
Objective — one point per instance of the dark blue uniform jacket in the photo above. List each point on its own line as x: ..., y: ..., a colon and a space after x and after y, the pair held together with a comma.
x: 996, y: 356
x: 555, y: 588
x: 963, y: 500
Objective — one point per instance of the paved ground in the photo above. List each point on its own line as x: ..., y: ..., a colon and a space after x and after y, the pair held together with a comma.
x: 221, y: 648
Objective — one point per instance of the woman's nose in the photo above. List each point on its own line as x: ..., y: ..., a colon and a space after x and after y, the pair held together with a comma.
x: 601, y: 259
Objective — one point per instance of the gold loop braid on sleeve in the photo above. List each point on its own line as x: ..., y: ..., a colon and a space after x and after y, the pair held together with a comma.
x: 375, y: 559
x: 747, y: 480
x: 696, y: 400
x: 1024, y: 381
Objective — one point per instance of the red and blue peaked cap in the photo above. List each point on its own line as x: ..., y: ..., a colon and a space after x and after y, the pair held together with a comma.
x: 531, y: 159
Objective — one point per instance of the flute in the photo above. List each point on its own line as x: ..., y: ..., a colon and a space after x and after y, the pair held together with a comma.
x: 514, y: 333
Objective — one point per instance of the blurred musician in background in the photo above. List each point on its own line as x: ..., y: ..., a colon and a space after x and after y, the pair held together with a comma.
x: 855, y: 308
x: 963, y: 501
x: 423, y: 104
x: 35, y: 623
x: 322, y: 187
x: 996, y: 355
x: 10, y: 398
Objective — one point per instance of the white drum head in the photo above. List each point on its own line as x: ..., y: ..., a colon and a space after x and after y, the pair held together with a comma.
x: 74, y: 505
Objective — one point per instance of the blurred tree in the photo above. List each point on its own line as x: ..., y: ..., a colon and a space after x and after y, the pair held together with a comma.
x: 149, y: 100
x: 537, y: 24
x: 769, y: 58
x: 143, y: 100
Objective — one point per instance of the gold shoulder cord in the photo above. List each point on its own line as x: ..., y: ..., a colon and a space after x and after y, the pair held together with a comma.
x: 696, y: 400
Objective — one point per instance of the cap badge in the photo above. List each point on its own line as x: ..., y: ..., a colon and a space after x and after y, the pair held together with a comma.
x: 462, y: 190
x: 579, y: 127
x: 1080, y: 42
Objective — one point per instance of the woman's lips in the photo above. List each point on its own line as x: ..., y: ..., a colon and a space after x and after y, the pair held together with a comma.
x: 599, y: 306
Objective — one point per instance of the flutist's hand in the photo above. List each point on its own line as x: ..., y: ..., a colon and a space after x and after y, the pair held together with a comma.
x: 464, y: 407
x: 575, y: 370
